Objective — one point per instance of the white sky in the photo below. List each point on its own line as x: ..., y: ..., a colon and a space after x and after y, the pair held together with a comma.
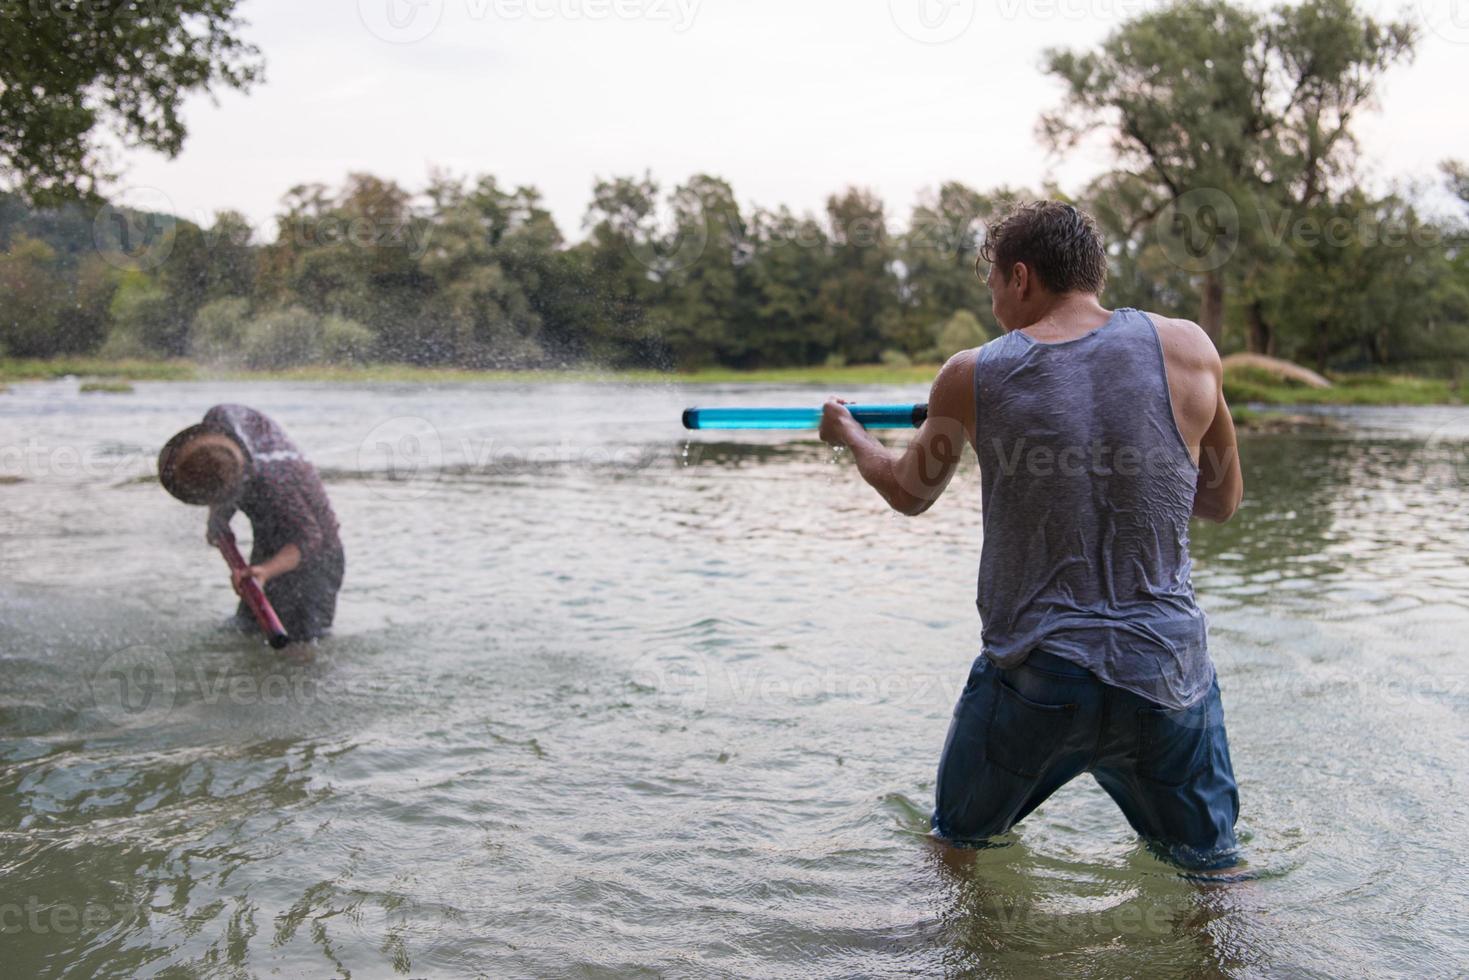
x: 789, y: 100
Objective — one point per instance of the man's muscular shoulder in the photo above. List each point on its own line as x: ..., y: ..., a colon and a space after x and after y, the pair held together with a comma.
x: 952, y: 394
x: 1195, y: 373
x: 1186, y: 346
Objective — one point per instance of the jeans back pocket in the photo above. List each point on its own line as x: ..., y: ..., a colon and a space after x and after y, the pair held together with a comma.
x: 1174, y: 745
x: 1025, y: 735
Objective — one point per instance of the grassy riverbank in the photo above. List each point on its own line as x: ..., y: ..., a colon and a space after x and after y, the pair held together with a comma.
x: 1245, y: 385
x: 1242, y: 385
x: 13, y: 370
x: 25, y: 369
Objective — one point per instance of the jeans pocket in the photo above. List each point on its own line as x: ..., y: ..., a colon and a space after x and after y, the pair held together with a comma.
x: 1173, y: 745
x: 1025, y: 735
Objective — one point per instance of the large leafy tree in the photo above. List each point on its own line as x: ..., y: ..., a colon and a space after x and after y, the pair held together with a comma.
x: 488, y: 252
x: 1456, y: 174
x: 1366, y: 283
x: 938, y: 253
x: 30, y: 298
x: 859, y: 296
x: 1254, y: 108
x: 704, y: 279
x: 71, y: 70
x: 790, y: 259
x: 1140, y: 272
x: 622, y: 261
x: 358, y: 254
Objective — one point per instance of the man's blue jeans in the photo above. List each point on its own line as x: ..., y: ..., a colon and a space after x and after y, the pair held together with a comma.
x: 1020, y: 734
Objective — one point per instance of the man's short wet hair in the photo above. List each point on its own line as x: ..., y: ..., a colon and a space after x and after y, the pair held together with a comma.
x: 1059, y: 243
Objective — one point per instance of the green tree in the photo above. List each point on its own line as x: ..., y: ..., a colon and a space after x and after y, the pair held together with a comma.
x: 358, y: 254
x: 960, y: 332
x: 70, y: 69
x: 859, y: 297
x: 488, y: 254
x: 218, y: 331
x: 621, y: 261
x: 701, y: 274
x: 1456, y: 174
x: 1140, y: 271
x: 81, y: 324
x: 143, y: 320
x: 790, y: 258
x: 30, y: 303
x: 203, y: 265
x: 1215, y: 97
x: 1369, y: 281
x: 938, y: 253
x: 343, y: 341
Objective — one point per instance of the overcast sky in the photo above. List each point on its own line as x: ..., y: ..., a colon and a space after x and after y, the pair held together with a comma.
x: 789, y: 100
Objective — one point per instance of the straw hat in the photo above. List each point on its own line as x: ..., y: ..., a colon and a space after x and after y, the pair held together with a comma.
x: 204, y: 464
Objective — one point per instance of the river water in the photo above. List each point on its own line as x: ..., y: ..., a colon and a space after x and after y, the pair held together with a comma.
x: 605, y: 701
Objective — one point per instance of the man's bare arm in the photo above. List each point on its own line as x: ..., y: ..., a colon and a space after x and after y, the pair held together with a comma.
x: 1196, y: 389
x: 288, y: 559
x: 1221, y: 485
x: 911, y: 480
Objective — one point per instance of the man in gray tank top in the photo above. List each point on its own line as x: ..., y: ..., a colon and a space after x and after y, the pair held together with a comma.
x: 1099, y: 433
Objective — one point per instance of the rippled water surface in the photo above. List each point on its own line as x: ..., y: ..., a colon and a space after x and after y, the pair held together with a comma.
x: 602, y: 701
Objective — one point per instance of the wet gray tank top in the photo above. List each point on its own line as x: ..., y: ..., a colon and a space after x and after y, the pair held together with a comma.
x: 1088, y: 489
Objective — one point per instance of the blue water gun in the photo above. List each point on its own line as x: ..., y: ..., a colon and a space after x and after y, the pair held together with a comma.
x: 869, y: 416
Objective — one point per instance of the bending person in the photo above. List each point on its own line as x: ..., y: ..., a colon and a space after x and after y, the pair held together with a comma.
x: 240, y: 459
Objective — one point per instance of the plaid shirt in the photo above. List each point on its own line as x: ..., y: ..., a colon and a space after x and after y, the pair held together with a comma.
x: 283, y: 496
